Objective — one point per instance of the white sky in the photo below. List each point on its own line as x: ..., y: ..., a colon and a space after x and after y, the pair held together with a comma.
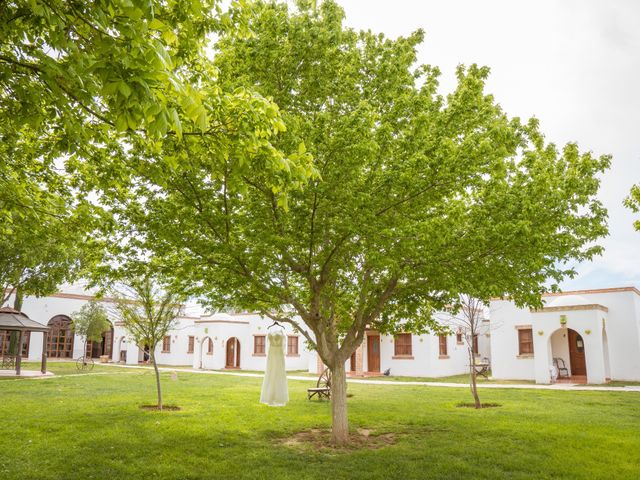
x: 574, y: 64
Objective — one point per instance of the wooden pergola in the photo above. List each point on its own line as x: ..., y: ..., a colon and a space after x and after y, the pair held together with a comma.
x: 15, y: 321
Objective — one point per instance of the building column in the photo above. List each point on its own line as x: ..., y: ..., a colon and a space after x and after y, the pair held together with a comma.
x: 197, y: 352
x: 359, y: 361
x: 19, y: 353
x: 594, y: 355
x: 543, y: 357
x: 132, y: 352
x: 43, y: 364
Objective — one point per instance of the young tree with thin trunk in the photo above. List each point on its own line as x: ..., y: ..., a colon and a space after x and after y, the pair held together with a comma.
x: 415, y: 195
x: 147, y: 313
x: 467, y: 319
x: 91, y: 322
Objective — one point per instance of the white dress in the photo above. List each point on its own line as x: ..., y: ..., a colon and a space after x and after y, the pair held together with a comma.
x: 274, y: 387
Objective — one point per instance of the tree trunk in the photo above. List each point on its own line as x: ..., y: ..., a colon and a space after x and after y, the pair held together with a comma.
x: 155, y: 367
x: 340, y: 422
x: 473, y: 376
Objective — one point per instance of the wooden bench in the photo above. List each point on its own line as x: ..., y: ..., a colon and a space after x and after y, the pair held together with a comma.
x: 483, y: 369
x: 322, y: 388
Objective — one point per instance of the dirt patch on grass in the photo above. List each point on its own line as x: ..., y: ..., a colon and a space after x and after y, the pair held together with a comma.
x: 473, y: 405
x: 318, y: 439
x: 170, y: 408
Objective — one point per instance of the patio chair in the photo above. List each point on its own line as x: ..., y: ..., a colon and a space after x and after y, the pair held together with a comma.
x: 322, y: 388
x: 563, y: 371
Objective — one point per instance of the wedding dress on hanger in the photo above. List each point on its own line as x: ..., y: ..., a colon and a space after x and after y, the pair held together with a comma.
x: 274, y: 386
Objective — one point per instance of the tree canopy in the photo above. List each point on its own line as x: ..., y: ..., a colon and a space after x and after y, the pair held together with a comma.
x: 67, y: 64
x: 46, y: 233
x: 414, y: 198
x: 71, y: 75
x: 80, y: 84
x: 633, y: 202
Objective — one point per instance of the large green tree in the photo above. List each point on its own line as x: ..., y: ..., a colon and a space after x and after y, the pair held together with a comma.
x: 45, y: 229
x: 80, y: 80
x: 72, y: 74
x: 117, y: 62
x: 416, y: 198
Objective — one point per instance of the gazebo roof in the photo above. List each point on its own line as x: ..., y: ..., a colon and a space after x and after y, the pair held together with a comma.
x: 11, y: 319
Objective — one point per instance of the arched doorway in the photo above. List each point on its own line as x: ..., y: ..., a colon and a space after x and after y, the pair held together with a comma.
x: 102, y: 347
x: 60, y: 338
x: 206, y: 353
x: 568, y: 355
x: 233, y: 353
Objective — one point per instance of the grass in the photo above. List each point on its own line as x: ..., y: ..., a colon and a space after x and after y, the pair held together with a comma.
x: 65, y: 368
x: 91, y: 426
x: 462, y: 378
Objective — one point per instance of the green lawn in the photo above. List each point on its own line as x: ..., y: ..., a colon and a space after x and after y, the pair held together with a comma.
x: 91, y: 426
x: 463, y: 378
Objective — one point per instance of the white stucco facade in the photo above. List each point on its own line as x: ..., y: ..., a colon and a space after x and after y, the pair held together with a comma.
x: 425, y: 359
x: 596, y: 334
x: 207, y: 341
x: 240, y: 328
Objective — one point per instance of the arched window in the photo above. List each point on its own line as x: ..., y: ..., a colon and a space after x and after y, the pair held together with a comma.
x: 60, y: 338
x: 210, y: 347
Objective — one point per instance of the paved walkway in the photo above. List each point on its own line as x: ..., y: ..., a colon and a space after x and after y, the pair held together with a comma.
x: 24, y: 374
x: 524, y: 386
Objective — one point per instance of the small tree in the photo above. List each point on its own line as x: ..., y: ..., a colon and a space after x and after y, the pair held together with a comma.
x: 90, y: 321
x: 147, y: 313
x: 467, y: 319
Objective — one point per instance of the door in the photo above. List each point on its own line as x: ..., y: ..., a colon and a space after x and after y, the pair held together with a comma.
x: 233, y: 353
x: 107, y: 343
x: 576, y: 354
x: 373, y: 353
x: 60, y: 338
x: 352, y: 362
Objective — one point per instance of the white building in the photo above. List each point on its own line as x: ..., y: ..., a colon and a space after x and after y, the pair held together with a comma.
x: 410, y: 355
x: 216, y: 341
x: 594, y: 334
x: 238, y: 341
x: 222, y: 341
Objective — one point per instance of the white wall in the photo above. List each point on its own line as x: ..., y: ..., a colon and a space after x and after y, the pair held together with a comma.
x: 221, y: 328
x: 505, y: 364
x: 623, y: 332
x: 241, y: 326
x: 44, y: 309
x: 484, y: 341
x: 621, y: 323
